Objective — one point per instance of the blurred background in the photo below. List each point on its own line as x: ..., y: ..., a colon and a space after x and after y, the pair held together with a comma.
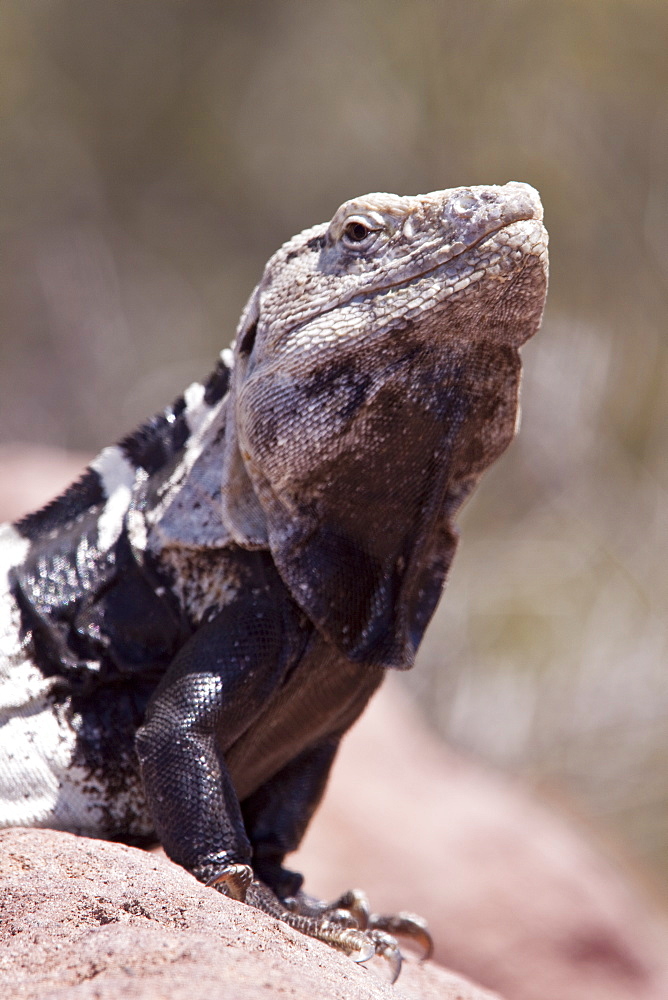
x: 155, y: 153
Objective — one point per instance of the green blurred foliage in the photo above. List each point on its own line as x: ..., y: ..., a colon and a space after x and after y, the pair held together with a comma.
x: 156, y: 152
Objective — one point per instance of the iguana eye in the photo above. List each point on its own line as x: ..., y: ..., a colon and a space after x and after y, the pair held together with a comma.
x: 357, y: 230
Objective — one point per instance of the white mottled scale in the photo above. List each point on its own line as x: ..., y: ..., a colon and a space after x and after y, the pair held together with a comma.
x: 40, y: 785
x: 36, y: 747
x: 117, y: 476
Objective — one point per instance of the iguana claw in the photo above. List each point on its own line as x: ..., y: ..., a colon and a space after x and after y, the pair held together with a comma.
x: 233, y: 881
x: 386, y: 946
x: 408, y: 925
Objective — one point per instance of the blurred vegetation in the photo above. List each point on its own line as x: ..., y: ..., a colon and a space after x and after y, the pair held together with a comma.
x: 156, y: 152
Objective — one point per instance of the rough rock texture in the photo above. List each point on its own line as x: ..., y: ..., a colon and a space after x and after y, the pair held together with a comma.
x: 515, y: 898
x: 86, y: 919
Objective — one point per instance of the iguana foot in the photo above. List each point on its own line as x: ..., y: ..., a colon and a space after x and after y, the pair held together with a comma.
x: 405, y: 924
x: 355, y: 904
x: 345, y: 924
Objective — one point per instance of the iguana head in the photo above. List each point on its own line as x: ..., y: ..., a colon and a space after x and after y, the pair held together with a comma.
x: 376, y: 376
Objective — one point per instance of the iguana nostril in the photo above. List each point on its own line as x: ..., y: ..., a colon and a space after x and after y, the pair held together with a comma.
x: 464, y: 205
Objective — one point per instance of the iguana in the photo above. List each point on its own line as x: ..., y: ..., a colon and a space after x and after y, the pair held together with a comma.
x: 187, y: 632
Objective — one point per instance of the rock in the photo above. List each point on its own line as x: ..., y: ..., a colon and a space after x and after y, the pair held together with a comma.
x: 82, y: 919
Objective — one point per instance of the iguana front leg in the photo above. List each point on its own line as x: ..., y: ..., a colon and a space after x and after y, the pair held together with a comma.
x: 217, y: 684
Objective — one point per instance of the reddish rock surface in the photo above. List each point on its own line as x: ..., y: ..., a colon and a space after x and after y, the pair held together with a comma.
x: 97, y: 921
